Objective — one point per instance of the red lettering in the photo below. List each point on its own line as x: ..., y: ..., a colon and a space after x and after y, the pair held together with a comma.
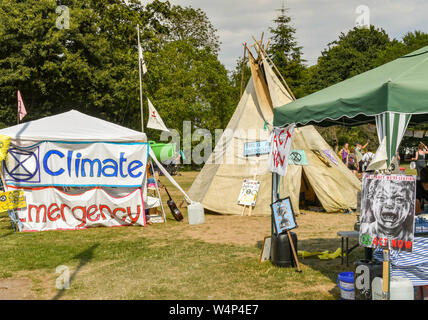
x: 83, y: 215
x: 394, y: 243
x: 133, y: 220
x: 122, y: 210
x: 38, y: 209
x: 103, y: 206
x: 400, y: 243
x: 375, y: 241
x: 51, y: 212
x: 91, y: 211
x: 62, y: 211
x: 408, y: 244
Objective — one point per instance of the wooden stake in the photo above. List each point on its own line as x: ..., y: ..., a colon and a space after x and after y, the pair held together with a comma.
x: 242, y: 71
x: 386, y: 275
x: 294, y: 251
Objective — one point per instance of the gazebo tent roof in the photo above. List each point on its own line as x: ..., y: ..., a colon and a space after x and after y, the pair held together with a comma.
x: 400, y: 86
x: 72, y: 126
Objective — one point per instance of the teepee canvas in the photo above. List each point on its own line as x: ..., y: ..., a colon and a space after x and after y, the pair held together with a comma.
x: 324, y: 180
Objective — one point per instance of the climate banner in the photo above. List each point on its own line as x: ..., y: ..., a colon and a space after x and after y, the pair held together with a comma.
x: 78, y: 164
x: 52, y: 209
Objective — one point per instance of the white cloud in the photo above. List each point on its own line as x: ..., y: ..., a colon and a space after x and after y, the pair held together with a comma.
x: 317, y: 22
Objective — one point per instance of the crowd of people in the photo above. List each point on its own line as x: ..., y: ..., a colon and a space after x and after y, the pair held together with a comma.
x: 355, y: 158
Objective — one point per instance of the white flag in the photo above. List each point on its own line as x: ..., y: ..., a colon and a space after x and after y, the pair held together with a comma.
x: 280, y: 146
x: 155, y: 121
x: 140, y: 56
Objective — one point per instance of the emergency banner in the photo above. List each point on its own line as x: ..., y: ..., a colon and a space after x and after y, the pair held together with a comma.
x: 52, y: 209
x: 280, y: 149
x: 78, y: 164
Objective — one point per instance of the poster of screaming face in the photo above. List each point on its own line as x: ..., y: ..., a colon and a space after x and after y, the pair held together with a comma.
x: 283, y: 215
x: 388, y: 211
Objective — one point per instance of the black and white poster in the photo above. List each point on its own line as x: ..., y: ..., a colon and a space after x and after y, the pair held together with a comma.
x: 388, y: 211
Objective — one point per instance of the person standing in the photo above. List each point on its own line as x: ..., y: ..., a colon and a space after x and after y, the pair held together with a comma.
x: 420, y: 158
x: 344, y: 154
x: 359, y: 155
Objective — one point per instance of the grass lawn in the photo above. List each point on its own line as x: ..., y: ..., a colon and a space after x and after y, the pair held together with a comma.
x: 215, y: 260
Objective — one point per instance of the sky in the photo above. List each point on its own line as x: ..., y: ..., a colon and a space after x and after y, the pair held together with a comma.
x: 317, y: 22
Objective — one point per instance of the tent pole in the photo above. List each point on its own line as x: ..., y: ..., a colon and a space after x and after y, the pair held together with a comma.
x: 141, y: 84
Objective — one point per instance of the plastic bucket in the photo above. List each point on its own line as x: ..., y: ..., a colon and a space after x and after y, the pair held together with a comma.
x: 345, y: 282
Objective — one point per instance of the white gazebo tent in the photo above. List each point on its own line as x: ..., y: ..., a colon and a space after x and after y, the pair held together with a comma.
x: 73, y: 126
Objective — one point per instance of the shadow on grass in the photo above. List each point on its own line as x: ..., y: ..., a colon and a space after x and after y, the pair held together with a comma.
x: 330, y: 268
x: 84, y: 257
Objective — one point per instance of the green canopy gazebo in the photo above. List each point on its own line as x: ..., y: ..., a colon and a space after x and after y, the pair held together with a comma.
x: 393, y: 96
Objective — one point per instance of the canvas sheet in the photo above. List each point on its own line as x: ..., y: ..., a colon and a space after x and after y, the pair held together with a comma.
x: 281, y: 139
x: 49, y: 208
x: 77, y: 164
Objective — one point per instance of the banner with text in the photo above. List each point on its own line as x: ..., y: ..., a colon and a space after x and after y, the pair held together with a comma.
x: 280, y: 149
x: 76, y: 164
x: 388, y: 211
x: 51, y: 209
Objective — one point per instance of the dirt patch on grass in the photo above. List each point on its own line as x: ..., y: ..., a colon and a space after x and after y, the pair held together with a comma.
x: 247, y: 231
x: 16, y: 289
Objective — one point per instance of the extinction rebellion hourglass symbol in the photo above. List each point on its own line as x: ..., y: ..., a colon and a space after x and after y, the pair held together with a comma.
x: 22, y: 165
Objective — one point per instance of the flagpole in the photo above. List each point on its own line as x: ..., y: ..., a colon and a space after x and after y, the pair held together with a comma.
x: 141, y: 85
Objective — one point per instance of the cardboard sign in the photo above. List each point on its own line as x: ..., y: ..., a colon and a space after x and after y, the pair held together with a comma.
x: 280, y: 149
x: 283, y: 215
x: 298, y: 157
x: 12, y: 200
x: 76, y: 164
x: 52, y: 209
x: 248, y: 194
x: 388, y: 211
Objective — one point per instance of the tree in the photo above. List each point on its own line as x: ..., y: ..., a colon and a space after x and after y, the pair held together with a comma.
x: 90, y: 65
x: 189, y: 84
x: 286, y: 54
x: 353, y: 53
x: 192, y: 25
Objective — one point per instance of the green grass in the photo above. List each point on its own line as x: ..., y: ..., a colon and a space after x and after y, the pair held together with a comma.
x: 161, y: 262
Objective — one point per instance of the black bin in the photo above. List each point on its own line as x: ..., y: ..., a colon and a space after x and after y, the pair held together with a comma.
x: 282, y: 254
x: 365, y: 272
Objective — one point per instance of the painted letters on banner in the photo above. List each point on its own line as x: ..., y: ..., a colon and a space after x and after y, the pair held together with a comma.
x: 388, y: 211
x: 51, y: 209
x: 280, y: 149
x: 76, y: 164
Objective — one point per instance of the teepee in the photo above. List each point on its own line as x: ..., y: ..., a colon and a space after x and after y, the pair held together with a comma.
x: 325, y: 180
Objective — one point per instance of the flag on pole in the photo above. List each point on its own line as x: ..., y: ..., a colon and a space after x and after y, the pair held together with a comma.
x: 155, y: 121
x: 140, y: 56
x: 21, y: 108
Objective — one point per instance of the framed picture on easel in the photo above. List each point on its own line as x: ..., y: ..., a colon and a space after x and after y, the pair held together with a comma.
x: 283, y: 215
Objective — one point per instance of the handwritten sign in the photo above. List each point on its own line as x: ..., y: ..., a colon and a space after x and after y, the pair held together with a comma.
x: 280, y: 149
x: 12, y: 200
x: 248, y: 194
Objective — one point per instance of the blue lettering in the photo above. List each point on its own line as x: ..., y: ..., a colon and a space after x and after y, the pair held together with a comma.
x: 121, y: 161
x: 69, y: 157
x: 131, y: 168
x: 91, y: 162
x: 45, y: 162
x: 114, y: 167
x: 77, y: 162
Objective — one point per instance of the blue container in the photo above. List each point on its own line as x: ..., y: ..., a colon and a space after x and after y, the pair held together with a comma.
x: 345, y: 282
